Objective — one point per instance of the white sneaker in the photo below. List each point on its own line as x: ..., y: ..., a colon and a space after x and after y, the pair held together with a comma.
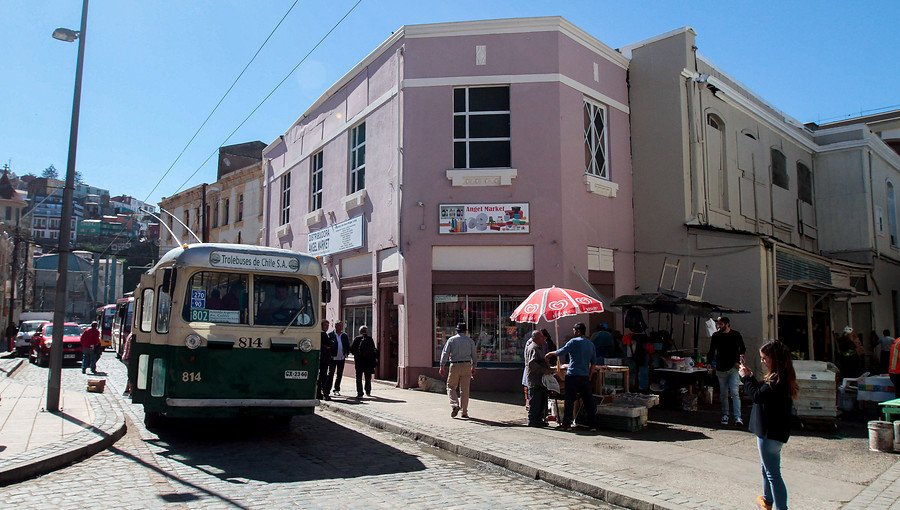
x: 725, y: 420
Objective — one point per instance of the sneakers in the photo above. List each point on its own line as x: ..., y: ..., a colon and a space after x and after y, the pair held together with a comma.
x: 725, y: 420
x: 739, y: 423
x: 336, y: 392
x: 761, y: 502
x: 454, y: 412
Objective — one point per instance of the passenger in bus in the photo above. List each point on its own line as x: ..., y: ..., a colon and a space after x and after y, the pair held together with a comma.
x: 232, y: 300
x: 278, y: 307
x: 214, y: 301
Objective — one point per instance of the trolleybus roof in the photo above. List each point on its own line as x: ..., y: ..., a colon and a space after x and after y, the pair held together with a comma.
x: 199, y: 255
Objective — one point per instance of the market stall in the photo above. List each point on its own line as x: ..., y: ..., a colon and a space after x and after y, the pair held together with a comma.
x: 675, y: 369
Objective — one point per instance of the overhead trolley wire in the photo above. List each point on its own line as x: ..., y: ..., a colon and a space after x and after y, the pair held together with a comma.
x: 202, y: 125
x: 333, y: 28
x: 233, y: 83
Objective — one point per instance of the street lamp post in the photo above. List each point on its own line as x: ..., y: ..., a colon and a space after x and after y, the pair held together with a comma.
x: 65, y: 227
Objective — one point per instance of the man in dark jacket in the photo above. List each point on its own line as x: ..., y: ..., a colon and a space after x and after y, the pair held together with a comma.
x: 326, y: 354
x: 365, y: 357
x: 725, y: 350
x: 342, y: 349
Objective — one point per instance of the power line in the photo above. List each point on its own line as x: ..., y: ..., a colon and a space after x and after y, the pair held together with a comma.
x: 269, y: 94
x: 233, y: 83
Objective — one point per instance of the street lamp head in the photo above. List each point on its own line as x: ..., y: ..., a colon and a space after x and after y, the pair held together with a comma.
x: 65, y: 34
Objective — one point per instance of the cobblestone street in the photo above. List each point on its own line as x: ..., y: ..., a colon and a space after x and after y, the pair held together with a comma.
x: 323, y: 461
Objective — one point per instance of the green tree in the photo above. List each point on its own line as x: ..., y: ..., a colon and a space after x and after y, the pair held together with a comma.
x: 50, y: 172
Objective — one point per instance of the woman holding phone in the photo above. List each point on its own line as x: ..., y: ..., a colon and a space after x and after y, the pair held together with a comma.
x: 770, y: 418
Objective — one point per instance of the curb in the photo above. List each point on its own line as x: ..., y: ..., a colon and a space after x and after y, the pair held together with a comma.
x: 15, y: 365
x: 617, y: 496
x: 62, y: 453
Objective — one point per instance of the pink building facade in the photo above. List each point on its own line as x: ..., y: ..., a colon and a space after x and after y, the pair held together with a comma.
x: 453, y: 171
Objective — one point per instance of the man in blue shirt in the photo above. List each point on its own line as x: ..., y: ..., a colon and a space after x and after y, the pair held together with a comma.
x: 582, y: 358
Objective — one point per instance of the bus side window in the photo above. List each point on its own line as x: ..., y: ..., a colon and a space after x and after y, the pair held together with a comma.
x: 146, y: 310
x: 163, y: 310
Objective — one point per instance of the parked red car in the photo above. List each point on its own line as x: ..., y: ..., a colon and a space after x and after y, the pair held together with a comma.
x: 42, y: 340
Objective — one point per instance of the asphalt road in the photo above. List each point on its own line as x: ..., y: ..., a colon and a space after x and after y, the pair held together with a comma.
x: 322, y: 461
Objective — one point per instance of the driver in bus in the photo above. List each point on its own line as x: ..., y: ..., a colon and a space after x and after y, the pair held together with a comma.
x: 282, y: 303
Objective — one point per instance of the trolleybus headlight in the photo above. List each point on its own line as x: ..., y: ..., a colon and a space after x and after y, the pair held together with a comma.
x: 193, y: 341
x: 306, y: 345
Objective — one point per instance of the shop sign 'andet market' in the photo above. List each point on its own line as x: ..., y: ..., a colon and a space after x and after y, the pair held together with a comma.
x: 484, y: 218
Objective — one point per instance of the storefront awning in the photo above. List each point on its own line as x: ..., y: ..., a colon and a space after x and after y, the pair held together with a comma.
x: 817, y: 288
x: 666, y: 303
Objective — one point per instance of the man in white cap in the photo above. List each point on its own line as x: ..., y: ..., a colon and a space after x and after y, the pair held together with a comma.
x: 459, y: 351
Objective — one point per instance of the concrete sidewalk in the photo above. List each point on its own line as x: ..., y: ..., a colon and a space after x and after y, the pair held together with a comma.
x: 681, y: 460
x: 34, y: 441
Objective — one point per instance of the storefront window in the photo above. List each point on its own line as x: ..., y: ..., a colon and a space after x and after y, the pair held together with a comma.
x: 497, y: 339
x: 355, y: 317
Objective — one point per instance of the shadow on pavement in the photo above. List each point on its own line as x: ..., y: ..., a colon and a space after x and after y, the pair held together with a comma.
x: 313, y: 448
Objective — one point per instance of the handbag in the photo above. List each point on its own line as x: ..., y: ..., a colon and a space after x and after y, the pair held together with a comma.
x: 550, y: 382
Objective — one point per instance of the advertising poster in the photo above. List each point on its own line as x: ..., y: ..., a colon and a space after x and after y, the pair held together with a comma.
x: 483, y: 218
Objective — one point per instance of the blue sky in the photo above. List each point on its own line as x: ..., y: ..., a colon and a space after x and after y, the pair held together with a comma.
x: 154, y: 69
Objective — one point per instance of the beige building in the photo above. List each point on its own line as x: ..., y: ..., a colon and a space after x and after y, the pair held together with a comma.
x: 781, y: 218
x: 233, y: 203
x: 14, y: 248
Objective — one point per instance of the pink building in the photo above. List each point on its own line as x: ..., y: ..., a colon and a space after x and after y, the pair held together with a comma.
x: 454, y: 170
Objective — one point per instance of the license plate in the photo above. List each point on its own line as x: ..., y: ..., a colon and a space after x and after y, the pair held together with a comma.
x: 68, y: 356
x: 296, y: 374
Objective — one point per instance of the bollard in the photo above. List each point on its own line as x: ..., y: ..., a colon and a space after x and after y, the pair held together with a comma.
x: 897, y: 436
x: 881, y: 436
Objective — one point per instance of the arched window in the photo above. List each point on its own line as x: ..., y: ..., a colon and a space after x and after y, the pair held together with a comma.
x: 717, y: 174
x: 892, y: 213
x: 779, y: 170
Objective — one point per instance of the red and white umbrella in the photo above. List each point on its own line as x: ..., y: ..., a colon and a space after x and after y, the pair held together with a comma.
x: 553, y: 303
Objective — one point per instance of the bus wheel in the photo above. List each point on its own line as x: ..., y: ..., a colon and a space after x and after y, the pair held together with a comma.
x: 152, y: 419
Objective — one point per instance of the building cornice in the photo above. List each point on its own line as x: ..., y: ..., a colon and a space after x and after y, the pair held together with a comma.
x: 464, y: 28
x: 628, y: 49
x: 751, y: 107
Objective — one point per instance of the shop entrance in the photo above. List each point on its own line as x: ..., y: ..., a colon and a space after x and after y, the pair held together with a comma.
x: 389, y: 335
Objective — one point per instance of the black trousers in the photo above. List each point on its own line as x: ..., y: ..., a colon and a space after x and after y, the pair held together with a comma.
x: 360, y: 374
x: 335, y: 373
x: 579, y: 386
x: 324, y: 384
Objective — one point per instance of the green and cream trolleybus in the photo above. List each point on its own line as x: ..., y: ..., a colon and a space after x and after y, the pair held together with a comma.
x: 224, y: 330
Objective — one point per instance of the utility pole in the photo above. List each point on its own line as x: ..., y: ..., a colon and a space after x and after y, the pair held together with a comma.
x: 12, y: 275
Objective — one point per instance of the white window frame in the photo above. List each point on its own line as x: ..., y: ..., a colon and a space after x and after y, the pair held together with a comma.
x: 316, y: 175
x: 285, y: 205
x: 357, y: 148
x: 590, y: 139
x: 466, y: 113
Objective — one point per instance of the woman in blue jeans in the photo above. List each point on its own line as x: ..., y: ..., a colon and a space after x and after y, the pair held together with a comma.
x: 770, y: 419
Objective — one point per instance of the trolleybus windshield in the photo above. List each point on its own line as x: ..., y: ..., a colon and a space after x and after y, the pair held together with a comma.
x: 282, y: 301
